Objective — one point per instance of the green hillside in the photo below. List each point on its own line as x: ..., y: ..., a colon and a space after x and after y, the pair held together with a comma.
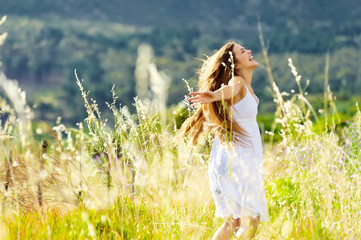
x: 47, y: 40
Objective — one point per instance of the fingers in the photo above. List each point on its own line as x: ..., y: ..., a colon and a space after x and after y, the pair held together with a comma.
x: 199, y: 98
x: 195, y: 93
x: 197, y: 101
x: 194, y: 98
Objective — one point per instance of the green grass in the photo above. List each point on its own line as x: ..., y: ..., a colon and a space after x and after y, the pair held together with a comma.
x: 126, y: 218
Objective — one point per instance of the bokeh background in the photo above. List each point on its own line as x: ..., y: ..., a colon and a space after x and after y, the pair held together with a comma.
x: 47, y: 40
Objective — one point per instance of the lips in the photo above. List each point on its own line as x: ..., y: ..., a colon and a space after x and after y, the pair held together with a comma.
x: 250, y: 58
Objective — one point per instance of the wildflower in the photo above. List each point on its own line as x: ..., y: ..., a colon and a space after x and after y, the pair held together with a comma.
x: 43, y: 174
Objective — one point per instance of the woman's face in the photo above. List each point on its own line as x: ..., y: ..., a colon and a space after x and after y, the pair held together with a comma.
x: 243, y: 58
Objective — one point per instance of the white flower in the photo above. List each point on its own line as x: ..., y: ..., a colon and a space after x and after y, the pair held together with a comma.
x: 43, y: 174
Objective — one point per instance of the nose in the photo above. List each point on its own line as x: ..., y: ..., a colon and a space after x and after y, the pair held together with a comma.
x: 249, y: 51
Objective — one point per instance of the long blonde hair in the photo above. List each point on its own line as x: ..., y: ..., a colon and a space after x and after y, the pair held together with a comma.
x: 215, y: 72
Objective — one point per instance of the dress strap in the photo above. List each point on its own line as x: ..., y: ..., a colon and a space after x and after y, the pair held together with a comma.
x: 247, y: 88
x: 252, y: 95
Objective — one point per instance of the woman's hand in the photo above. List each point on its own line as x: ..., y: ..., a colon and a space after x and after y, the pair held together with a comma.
x: 202, y: 97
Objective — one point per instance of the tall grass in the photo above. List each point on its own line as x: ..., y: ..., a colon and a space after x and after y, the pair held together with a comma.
x: 129, y: 181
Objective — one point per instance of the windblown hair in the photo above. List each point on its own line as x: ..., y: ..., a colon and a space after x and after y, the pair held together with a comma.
x: 215, y: 72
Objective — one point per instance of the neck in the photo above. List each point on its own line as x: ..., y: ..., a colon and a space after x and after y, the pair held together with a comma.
x: 247, y: 75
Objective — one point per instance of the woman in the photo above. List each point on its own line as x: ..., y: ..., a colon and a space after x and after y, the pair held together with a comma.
x: 227, y: 106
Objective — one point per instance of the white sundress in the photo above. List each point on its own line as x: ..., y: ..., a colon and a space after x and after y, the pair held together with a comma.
x: 235, y: 173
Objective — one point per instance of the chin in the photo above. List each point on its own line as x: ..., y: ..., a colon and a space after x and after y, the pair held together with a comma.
x: 254, y: 64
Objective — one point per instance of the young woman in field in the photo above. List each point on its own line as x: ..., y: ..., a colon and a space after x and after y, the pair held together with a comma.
x: 227, y: 106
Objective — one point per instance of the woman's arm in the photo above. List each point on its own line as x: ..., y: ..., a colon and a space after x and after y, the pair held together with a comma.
x: 226, y: 92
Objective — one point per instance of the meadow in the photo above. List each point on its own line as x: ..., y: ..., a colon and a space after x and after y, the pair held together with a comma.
x: 126, y: 179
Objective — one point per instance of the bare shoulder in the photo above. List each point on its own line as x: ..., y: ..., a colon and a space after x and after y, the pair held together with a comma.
x: 237, y: 80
